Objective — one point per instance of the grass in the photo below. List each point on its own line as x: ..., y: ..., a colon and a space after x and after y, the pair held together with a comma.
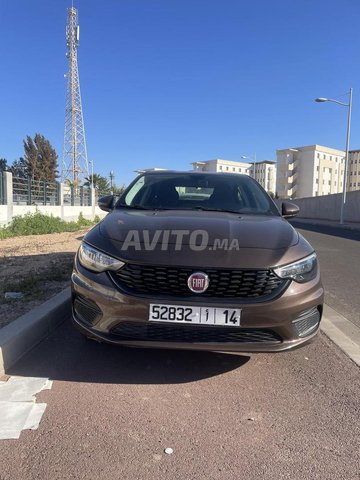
x: 39, y: 224
x: 33, y: 285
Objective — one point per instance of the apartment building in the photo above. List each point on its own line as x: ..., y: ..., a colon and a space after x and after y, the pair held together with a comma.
x: 354, y: 170
x: 264, y: 172
x: 309, y: 171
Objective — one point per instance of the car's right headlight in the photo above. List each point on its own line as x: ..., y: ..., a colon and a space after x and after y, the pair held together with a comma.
x: 97, y: 261
x: 301, y: 271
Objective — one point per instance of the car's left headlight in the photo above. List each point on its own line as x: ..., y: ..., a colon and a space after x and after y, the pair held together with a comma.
x: 301, y: 271
x: 97, y: 261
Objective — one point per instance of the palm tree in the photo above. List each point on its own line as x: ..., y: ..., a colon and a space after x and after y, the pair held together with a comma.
x: 100, y: 183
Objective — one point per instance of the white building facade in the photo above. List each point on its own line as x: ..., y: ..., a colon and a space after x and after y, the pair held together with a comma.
x: 354, y: 170
x: 264, y: 172
x: 309, y: 171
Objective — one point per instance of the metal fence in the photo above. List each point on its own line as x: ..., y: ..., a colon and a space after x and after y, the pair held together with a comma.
x: 28, y: 191
x: 80, y: 196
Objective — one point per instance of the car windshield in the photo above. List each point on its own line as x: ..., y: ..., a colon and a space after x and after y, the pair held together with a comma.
x: 194, y: 191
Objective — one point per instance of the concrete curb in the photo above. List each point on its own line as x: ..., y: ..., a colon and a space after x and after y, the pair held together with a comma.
x: 20, y: 336
x: 342, y: 332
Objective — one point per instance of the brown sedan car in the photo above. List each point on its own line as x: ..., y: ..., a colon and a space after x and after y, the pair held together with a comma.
x: 196, y: 260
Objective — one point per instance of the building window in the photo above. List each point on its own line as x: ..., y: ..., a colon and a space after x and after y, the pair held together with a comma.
x: 233, y: 169
x: 317, y: 168
x: 336, y: 159
x: 220, y: 167
x: 358, y: 184
x: 335, y: 172
x: 240, y: 170
x: 329, y: 182
x: 324, y: 157
x: 330, y: 157
x: 318, y: 155
x: 227, y: 169
x: 317, y: 180
x: 350, y: 184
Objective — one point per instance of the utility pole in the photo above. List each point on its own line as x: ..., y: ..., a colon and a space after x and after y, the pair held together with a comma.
x: 75, y: 165
x: 112, y: 176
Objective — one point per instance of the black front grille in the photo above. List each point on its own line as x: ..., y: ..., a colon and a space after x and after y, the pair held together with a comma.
x: 195, y: 334
x: 239, y: 284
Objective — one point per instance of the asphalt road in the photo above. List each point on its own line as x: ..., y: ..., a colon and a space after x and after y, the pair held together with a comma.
x: 339, y: 254
x: 112, y: 412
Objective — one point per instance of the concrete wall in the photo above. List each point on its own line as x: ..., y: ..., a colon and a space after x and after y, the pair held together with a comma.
x: 327, y: 207
x: 66, y: 213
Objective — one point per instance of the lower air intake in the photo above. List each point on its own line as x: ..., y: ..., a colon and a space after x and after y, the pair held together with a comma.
x: 194, y: 334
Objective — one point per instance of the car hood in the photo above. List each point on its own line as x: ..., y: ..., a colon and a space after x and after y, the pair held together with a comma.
x: 250, y: 231
x: 260, y: 241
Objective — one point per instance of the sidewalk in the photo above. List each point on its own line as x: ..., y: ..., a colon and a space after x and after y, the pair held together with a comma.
x: 326, y: 223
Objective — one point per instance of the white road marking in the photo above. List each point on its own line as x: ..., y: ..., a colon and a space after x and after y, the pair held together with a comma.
x: 17, y: 405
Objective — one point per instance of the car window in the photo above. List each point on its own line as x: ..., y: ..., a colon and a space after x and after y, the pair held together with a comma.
x: 203, y: 191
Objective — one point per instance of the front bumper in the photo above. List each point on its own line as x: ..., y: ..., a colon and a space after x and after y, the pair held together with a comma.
x: 288, y: 322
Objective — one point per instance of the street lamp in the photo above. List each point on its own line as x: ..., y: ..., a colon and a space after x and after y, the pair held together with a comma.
x: 253, y: 160
x: 111, y: 181
x: 349, y: 105
x: 92, y: 173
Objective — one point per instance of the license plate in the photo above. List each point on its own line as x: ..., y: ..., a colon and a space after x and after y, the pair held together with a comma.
x: 185, y: 314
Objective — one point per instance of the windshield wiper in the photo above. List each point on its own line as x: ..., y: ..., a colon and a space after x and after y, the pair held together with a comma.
x: 238, y: 212
x: 206, y: 209
x: 135, y: 207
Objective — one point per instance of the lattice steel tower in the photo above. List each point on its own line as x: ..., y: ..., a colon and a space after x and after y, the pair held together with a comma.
x: 75, y: 165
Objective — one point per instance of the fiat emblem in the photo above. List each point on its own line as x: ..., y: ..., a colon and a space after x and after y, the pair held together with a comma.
x: 198, y: 282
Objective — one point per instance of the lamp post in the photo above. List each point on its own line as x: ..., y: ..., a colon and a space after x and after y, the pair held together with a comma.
x: 349, y: 105
x: 111, y: 181
x: 92, y: 173
x: 253, y: 161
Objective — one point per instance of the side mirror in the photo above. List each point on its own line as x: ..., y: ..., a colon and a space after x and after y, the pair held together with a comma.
x: 107, y: 203
x: 289, y: 210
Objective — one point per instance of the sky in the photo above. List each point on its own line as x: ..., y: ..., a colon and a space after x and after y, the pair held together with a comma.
x: 168, y: 82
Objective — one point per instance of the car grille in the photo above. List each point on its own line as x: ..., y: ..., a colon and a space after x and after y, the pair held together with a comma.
x: 158, y: 280
x: 307, y: 322
x: 194, y: 334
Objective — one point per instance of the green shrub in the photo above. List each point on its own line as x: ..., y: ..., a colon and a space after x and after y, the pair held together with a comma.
x: 38, y: 224
x: 83, y: 222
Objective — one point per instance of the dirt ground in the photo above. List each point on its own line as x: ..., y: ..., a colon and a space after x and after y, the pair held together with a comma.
x: 39, y: 266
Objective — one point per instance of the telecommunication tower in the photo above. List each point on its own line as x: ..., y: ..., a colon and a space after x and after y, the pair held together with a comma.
x: 75, y: 165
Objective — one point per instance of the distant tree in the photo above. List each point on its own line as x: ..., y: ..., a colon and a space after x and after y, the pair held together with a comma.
x: 3, y: 165
x: 118, y: 190
x: 100, y: 183
x: 40, y: 158
x: 19, y: 168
